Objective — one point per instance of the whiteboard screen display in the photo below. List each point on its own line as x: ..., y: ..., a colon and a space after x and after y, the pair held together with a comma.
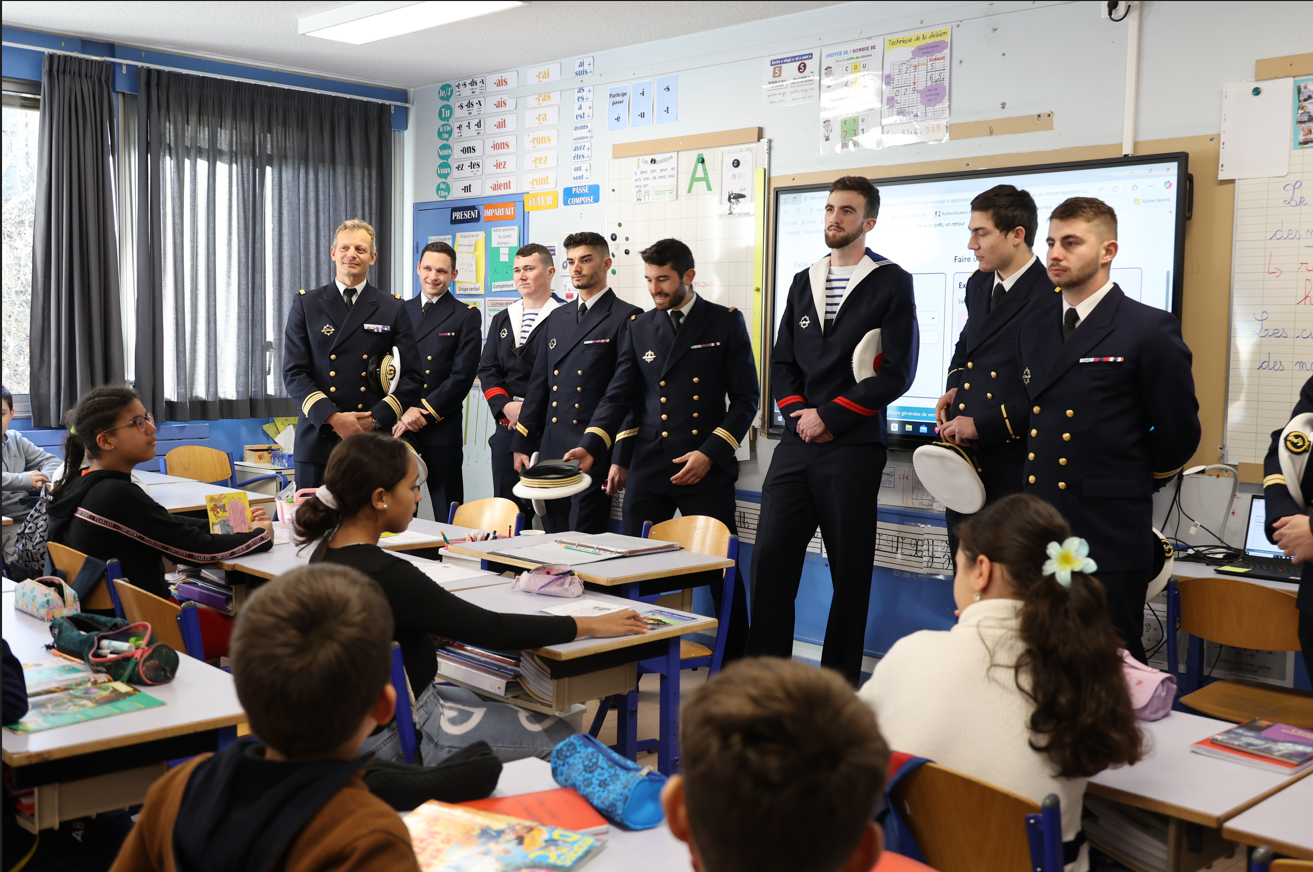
x: 922, y: 227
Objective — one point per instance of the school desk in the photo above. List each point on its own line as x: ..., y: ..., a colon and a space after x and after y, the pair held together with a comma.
x: 185, y: 495
x: 1283, y: 822
x: 107, y: 764
x: 8, y: 520
x: 1197, y: 793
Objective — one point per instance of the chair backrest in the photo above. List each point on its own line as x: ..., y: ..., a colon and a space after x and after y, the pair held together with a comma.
x: 1233, y: 612
x: 198, y: 463
x: 162, y: 615
x: 697, y: 533
x: 493, y: 513
x: 405, y: 715
x: 69, y: 561
x: 961, y: 823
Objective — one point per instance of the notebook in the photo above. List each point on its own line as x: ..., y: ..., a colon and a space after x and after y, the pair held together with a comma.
x: 562, y: 807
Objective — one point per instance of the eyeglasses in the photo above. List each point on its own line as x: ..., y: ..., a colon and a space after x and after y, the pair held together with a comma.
x: 142, y: 422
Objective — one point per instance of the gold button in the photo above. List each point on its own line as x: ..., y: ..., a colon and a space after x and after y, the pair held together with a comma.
x: 331, y: 374
x: 425, y: 386
x: 554, y: 387
x: 695, y: 396
x: 364, y: 357
x: 430, y: 357
x: 695, y: 414
x: 576, y: 405
x: 663, y: 417
x: 553, y: 404
x: 695, y: 379
x: 362, y: 375
x: 663, y: 384
x: 1036, y: 410
x: 1066, y: 437
x: 1062, y: 461
x: 427, y: 371
x: 574, y: 422
x: 664, y: 434
x: 1034, y: 432
x: 1062, y: 485
x: 1032, y: 479
x: 993, y: 375
x: 553, y: 420
x: 969, y: 364
x: 554, y: 372
x: 581, y: 372
x: 332, y: 357
x: 663, y: 399
x: 695, y: 432
x: 362, y: 388
x: 961, y: 405
x: 1031, y: 456
x: 989, y: 396
x: 579, y: 389
x: 967, y: 386
x: 331, y: 390
x: 1070, y: 413
x: 360, y: 406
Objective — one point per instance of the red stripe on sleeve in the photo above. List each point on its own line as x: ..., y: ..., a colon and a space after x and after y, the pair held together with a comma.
x: 787, y: 401
x: 853, y: 407
x: 492, y: 392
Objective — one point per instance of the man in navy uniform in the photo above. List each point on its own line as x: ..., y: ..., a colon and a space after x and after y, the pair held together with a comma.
x: 576, y: 354
x: 1113, y: 415
x: 984, y: 381
x: 332, y: 333
x: 1287, y: 521
x: 678, y: 365
x: 827, y: 467
x: 508, y: 360
x: 447, y: 333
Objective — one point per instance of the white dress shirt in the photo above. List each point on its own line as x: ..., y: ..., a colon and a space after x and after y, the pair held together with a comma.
x: 1012, y: 279
x: 1086, y: 306
x: 341, y: 289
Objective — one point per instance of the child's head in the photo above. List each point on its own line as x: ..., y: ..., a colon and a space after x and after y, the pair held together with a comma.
x: 1082, y: 706
x: 8, y: 401
x: 103, y: 421
x: 312, y: 654
x: 773, y: 749
x: 370, y: 473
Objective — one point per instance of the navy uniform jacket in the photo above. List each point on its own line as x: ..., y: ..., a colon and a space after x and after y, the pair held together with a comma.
x: 448, y: 341
x: 676, y: 384
x: 984, y: 367
x: 1113, y: 417
x: 504, y: 367
x: 573, y: 365
x: 810, y: 368
x: 1280, y: 504
x: 326, y: 351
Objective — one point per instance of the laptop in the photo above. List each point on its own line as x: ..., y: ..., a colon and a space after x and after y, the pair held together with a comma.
x: 1262, y: 559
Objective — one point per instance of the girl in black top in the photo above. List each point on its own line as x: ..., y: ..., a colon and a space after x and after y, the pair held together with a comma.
x: 371, y: 487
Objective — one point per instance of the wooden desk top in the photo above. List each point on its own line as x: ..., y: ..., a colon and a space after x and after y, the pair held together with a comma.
x: 621, y: 570
x: 1175, y: 781
x: 1187, y: 569
x: 199, y: 698
x: 1283, y: 821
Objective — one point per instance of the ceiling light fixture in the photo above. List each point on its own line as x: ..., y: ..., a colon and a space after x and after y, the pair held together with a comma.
x: 359, y: 23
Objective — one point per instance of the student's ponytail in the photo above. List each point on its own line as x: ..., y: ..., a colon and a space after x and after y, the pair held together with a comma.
x: 95, y: 413
x: 1071, y: 667
x: 359, y: 466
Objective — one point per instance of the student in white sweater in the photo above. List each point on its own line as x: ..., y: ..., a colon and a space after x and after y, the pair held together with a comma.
x: 1027, y: 691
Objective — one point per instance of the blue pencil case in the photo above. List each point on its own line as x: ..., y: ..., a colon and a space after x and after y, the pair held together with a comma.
x: 624, y: 792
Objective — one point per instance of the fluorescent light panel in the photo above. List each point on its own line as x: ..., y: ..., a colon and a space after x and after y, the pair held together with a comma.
x: 360, y: 23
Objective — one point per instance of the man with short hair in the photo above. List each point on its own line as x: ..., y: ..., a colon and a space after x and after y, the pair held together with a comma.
x: 1113, y: 415
x: 679, y: 364
x: 984, y: 402
x: 783, y: 767
x: 508, y: 360
x: 447, y: 335
x: 826, y: 469
x: 576, y: 354
x: 332, y: 334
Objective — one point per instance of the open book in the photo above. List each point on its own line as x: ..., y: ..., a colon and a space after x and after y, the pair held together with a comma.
x: 614, y: 544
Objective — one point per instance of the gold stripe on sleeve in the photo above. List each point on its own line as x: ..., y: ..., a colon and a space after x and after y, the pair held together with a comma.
x: 432, y: 411
x: 626, y: 434
x: 1168, y: 474
x: 727, y: 436
x: 600, y: 432
x: 313, y: 398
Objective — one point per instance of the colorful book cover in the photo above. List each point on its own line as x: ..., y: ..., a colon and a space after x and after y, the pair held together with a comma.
x: 561, y: 807
x: 79, y: 704
x: 228, y: 513
x: 660, y: 618
x: 452, y: 838
x: 1270, y: 739
x: 56, y: 674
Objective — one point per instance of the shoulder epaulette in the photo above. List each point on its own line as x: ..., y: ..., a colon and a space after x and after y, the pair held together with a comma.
x: 302, y: 291
x: 733, y: 308
x: 973, y: 275
x: 632, y: 317
x: 398, y: 296
x: 1057, y: 290
x: 474, y: 305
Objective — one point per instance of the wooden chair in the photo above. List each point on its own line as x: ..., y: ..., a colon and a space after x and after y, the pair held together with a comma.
x: 1261, y: 861
x: 962, y: 824
x: 177, y: 626
x: 209, y: 465
x: 493, y: 513
x: 70, y: 560
x: 405, y: 714
x: 1232, y: 612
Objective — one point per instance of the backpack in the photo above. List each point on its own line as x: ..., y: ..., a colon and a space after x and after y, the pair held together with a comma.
x: 30, y: 542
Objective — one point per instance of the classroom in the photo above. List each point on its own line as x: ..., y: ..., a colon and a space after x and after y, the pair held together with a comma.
x: 729, y: 453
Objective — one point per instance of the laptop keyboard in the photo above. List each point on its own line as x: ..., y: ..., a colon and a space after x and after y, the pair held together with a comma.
x: 1270, y: 564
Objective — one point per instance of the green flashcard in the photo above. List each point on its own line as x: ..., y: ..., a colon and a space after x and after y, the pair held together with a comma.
x: 500, y: 265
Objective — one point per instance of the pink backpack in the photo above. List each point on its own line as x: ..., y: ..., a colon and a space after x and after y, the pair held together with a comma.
x: 1152, y: 690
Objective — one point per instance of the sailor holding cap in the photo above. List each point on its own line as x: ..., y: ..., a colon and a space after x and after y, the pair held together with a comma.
x: 1288, y: 489
x: 332, y: 334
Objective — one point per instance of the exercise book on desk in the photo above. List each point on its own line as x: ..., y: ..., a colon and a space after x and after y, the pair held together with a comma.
x: 454, y: 838
x: 88, y: 702
x: 1265, y: 744
x: 562, y: 807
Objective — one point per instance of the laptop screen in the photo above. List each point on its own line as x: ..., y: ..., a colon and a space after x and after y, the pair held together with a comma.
x: 1256, y: 544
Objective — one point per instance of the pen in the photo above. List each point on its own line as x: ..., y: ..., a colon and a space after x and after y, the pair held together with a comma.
x: 444, y: 538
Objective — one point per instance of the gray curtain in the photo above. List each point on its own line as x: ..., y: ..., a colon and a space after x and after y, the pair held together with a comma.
x: 76, y: 338
x: 240, y: 188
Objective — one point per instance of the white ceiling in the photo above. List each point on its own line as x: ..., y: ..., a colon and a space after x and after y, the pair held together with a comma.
x: 265, y: 33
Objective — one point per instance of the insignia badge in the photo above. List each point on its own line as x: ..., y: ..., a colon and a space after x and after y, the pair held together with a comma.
x: 503, y: 333
x: 806, y: 319
x: 551, y: 344
x: 1296, y: 442
x: 1168, y: 551
x: 649, y: 357
x: 1025, y: 376
x: 328, y: 330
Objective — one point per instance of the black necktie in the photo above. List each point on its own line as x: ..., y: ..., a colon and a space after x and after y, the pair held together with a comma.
x: 1069, y: 322
x: 999, y: 291
x: 677, y: 318
x: 579, y: 316
x: 350, y: 296
x: 428, y: 305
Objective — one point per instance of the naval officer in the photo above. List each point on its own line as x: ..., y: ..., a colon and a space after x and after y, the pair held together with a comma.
x: 984, y: 381
x: 576, y: 353
x: 1113, y: 415
x: 332, y: 334
x: 508, y: 359
x: 1287, y: 520
x: 679, y: 364
x: 827, y: 466
x: 447, y: 335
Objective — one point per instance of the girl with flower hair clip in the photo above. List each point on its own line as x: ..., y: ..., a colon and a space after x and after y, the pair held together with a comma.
x: 1026, y: 692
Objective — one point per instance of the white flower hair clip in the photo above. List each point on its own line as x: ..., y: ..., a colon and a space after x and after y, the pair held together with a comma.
x: 1071, y: 556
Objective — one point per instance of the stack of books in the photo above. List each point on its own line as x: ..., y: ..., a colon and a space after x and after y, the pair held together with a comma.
x: 206, y: 586
x: 491, y: 671
x: 535, y: 680
x: 1265, y: 744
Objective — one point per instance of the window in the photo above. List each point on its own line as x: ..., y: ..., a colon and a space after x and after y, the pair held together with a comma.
x: 21, y: 119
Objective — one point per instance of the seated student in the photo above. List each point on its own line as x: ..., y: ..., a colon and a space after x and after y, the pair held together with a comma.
x: 102, y: 513
x: 27, y: 467
x: 771, y: 746
x: 371, y: 487
x: 311, y: 658
x: 1027, y: 691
